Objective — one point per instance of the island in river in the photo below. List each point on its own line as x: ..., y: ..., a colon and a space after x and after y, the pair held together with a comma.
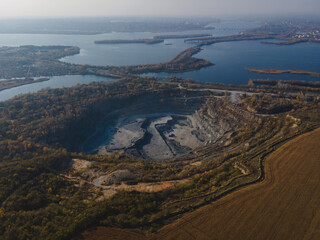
x: 154, y: 40
x: 281, y: 71
x: 121, y: 41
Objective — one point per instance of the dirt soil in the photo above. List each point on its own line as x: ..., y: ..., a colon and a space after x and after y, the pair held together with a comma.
x: 284, y: 206
x: 103, y: 233
x: 151, y: 187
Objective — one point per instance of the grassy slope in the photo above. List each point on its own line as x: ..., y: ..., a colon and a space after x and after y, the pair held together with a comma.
x: 284, y: 206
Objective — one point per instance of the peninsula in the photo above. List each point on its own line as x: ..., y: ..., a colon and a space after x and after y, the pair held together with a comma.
x: 7, y: 84
x: 37, y: 61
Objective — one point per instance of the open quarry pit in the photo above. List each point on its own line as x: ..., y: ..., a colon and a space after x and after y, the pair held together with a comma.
x: 161, y: 125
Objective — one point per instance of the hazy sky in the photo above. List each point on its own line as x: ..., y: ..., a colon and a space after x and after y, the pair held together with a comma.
x: 40, y: 8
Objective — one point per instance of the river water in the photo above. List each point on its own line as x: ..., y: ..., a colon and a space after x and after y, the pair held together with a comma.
x: 230, y: 58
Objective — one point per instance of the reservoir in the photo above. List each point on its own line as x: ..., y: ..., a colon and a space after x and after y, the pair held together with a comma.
x: 230, y: 58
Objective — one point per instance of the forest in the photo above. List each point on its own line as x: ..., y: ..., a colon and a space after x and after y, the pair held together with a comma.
x: 40, y: 194
x: 37, y: 61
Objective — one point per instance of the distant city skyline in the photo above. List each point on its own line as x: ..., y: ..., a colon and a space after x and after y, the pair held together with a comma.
x: 91, y: 8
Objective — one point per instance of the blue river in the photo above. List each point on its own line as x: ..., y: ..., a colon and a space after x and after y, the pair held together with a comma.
x: 230, y: 58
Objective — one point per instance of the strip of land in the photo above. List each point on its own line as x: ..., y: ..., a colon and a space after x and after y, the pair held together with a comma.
x: 286, y: 42
x: 120, y: 41
x: 36, y: 61
x: 284, y: 33
x: 7, y: 84
x: 293, y: 85
x: 182, y: 36
x: 240, y: 37
x: 154, y: 40
x: 183, y: 62
x: 281, y: 71
x: 251, y: 36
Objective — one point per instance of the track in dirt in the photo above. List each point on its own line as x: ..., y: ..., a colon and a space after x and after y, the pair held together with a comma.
x: 284, y: 206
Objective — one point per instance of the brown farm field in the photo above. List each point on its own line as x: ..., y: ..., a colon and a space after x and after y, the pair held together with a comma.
x: 285, y: 205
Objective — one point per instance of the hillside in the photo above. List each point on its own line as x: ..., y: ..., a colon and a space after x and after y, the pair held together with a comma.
x: 283, y: 206
x: 46, y: 172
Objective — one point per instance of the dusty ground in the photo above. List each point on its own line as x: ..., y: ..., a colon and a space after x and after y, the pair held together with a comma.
x: 284, y: 206
x: 151, y: 187
x: 157, y: 136
x: 79, y: 164
x: 110, y: 191
x: 164, y: 125
x: 165, y: 135
x: 111, y: 183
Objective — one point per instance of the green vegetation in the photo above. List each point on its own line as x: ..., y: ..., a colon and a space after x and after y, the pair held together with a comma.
x: 240, y: 37
x: 40, y: 194
x: 154, y: 40
x: 33, y: 61
x: 43, y: 197
x: 286, y: 32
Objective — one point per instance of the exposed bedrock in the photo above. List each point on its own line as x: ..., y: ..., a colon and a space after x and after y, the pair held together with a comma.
x: 161, y: 125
